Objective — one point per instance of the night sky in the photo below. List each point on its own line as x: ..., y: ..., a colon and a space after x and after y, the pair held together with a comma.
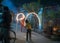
x: 21, y: 2
x: 43, y: 2
x: 13, y: 4
x: 50, y: 2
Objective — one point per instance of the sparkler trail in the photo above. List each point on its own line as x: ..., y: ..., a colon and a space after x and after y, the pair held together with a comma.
x: 34, y: 14
x: 19, y: 19
x: 23, y: 18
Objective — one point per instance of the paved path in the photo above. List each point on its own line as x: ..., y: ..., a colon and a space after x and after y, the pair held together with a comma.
x: 36, y: 38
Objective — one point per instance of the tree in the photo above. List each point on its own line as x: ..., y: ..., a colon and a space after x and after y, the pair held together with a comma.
x: 34, y: 6
x: 49, y: 14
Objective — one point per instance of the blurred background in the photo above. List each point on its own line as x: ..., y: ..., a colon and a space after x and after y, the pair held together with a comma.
x: 48, y: 12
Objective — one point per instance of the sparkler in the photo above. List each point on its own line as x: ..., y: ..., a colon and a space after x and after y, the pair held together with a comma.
x: 19, y: 19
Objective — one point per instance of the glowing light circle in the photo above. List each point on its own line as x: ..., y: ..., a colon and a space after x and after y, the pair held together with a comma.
x: 34, y: 14
x: 19, y: 19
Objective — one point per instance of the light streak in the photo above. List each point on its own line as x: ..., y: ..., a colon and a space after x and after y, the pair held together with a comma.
x: 34, y: 14
x: 23, y: 18
x: 19, y: 19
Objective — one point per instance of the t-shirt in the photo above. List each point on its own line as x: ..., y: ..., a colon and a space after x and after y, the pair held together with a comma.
x: 28, y: 26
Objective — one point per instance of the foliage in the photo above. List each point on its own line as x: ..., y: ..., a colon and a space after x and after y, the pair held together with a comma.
x: 34, y: 6
x: 49, y: 14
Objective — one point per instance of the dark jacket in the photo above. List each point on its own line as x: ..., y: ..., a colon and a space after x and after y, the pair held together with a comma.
x: 6, y: 16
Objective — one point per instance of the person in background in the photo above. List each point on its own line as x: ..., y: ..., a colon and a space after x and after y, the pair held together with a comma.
x: 50, y: 28
x: 5, y: 22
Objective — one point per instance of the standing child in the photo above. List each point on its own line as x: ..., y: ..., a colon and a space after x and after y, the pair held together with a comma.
x: 28, y: 33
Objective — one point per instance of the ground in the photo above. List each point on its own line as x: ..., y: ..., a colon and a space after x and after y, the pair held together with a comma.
x: 36, y: 38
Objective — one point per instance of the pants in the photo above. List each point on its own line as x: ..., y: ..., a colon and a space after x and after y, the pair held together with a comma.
x: 6, y: 35
x: 28, y: 34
